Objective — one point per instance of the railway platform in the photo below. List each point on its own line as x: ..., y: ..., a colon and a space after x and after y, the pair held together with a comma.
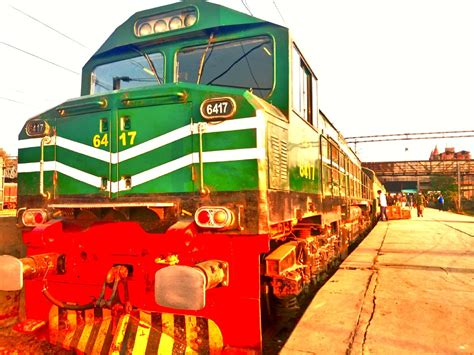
x: 407, y: 288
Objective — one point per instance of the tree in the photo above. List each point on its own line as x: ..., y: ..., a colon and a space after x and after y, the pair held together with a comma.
x: 447, y: 186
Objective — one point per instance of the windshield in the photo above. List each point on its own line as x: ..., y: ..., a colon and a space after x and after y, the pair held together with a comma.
x: 128, y: 73
x: 244, y: 63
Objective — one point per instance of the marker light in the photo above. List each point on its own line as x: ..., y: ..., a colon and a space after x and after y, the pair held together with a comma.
x: 190, y: 20
x: 160, y: 26
x: 34, y: 217
x: 204, y: 217
x: 214, y: 217
x: 168, y: 21
x: 145, y: 29
x: 175, y: 23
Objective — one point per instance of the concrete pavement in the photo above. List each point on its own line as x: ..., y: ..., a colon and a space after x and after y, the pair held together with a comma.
x: 408, y: 288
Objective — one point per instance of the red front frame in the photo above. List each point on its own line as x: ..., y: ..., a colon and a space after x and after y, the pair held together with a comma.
x: 91, y: 252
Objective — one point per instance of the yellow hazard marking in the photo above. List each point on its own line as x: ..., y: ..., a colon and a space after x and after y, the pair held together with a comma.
x: 138, y: 341
x: 215, y: 338
x: 167, y: 337
x: 120, y: 334
x: 167, y: 323
x: 191, y: 334
x: 86, y: 332
x: 53, y: 324
x: 143, y: 333
x: 104, y: 326
x: 166, y: 345
x: 71, y: 325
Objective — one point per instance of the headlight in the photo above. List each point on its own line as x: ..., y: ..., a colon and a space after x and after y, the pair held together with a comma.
x: 175, y: 23
x: 160, y: 26
x: 168, y: 21
x: 190, y: 20
x: 145, y: 29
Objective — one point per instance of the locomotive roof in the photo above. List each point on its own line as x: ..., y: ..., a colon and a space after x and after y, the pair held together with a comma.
x: 209, y: 16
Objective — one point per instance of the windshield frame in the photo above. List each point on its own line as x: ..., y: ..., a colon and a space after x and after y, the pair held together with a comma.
x: 217, y: 40
x: 131, y: 53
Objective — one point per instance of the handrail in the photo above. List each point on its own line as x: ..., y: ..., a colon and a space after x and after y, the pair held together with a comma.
x: 44, y: 140
x: 82, y: 106
x: 180, y: 96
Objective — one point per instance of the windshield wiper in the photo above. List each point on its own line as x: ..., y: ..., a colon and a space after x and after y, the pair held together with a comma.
x: 150, y: 64
x: 203, y: 57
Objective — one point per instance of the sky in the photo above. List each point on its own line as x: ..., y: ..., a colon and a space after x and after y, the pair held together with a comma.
x: 383, y: 66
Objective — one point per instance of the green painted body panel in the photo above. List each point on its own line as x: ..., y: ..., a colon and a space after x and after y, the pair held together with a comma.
x: 230, y: 140
x: 82, y: 128
x: 149, y: 121
x: 70, y: 186
x: 153, y: 121
x: 232, y: 176
x: 160, y: 156
x: 29, y: 182
x: 32, y: 155
x: 209, y: 16
x: 81, y: 162
x: 154, y: 112
x: 305, y: 162
x: 178, y: 181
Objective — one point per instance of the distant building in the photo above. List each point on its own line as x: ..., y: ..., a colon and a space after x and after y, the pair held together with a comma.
x: 9, y: 166
x: 450, y: 154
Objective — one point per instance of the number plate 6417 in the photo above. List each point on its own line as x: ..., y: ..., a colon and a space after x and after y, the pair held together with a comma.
x: 218, y: 108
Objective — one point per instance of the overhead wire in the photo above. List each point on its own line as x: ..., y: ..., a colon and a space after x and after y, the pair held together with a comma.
x: 279, y: 12
x: 40, y: 58
x: 244, y: 2
x: 410, y: 136
x: 50, y: 27
x: 11, y: 100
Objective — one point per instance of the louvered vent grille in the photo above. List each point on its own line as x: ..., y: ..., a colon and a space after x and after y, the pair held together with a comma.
x: 278, y: 158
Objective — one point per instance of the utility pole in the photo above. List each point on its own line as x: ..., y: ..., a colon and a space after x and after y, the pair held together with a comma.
x: 2, y: 183
x: 459, y: 188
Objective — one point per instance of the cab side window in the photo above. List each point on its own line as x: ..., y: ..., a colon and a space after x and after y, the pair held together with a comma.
x: 302, y: 83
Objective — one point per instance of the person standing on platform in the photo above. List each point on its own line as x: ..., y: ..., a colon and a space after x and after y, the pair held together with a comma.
x: 440, y: 202
x: 383, y: 205
x: 403, y: 200
x: 420, y: 204
x: 410, y: 200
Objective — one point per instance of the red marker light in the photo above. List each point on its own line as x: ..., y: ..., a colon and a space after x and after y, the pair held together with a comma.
x: 203, y: 217
x: 38, y: 218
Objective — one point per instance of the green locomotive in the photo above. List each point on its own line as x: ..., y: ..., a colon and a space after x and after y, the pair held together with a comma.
x: 195, y: 182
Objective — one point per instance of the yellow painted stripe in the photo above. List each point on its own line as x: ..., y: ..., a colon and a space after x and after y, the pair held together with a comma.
x: 143, y: 333
x: 167, y: 337
x: 191, y: 334
x: 166, y: 345
x: 86, y: 332
x: 215, y: 338
x: 167, y: 324
x: 119, y: 334
x: 53, y: 324
x: 72, y: 324
x: 104, y: 326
